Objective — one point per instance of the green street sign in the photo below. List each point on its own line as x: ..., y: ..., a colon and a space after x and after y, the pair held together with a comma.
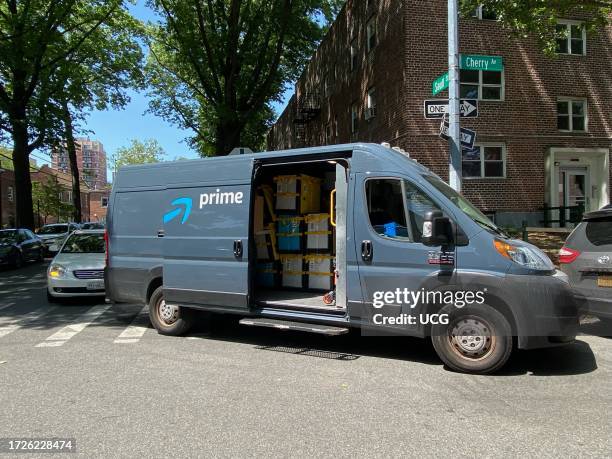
x: 439, y: 84
x: 478, y: 62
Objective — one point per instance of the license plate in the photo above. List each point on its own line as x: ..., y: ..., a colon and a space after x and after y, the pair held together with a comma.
x: 95, y: 285
x: 604, y: 280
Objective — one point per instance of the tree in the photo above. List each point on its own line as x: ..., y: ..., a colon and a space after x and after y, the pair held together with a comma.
x: 148, y: 151
x: 215, y: 66
x: 539, y: 17
x: 48, y: 197
x: 104, y: 66
x: 38, y: 38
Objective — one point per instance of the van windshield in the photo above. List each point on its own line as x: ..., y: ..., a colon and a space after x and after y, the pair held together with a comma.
x: 466, y: 206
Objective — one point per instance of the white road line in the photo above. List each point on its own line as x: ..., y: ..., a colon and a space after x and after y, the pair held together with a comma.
x: 135, y: 330
x: 70, y: 331
x: 15, y: 324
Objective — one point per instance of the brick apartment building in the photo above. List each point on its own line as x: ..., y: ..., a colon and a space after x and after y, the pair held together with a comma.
x: 94, y: 203
x: 544, y: 129
x: 91, y: 162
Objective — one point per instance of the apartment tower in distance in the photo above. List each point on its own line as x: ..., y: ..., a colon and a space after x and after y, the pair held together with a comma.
x: 91, y: 162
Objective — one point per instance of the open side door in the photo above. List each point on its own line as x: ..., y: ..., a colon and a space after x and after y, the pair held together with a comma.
x: 206, y: 238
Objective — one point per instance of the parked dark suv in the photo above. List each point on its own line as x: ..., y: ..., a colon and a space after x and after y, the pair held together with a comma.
x: 586, y: 258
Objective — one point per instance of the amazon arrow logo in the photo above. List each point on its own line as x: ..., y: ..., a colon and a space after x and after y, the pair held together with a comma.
x: 184, y: 207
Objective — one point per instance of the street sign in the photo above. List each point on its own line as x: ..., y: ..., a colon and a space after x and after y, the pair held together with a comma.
x: 438, y: 108
x: 468, y: 137
x: 478, y: 62
x: 440, y: 84
x: 469, y: 62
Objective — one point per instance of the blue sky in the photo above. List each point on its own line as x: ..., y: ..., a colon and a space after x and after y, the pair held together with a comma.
x: 115, y: 128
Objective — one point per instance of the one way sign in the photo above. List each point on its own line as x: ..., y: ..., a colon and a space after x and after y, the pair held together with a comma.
x: 438, y: 108
x: 468, y: 137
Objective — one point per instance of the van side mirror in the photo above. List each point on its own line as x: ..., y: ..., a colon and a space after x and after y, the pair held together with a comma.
x: 437, y: 229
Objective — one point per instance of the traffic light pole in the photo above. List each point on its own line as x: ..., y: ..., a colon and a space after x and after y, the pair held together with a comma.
x: 454, y: 130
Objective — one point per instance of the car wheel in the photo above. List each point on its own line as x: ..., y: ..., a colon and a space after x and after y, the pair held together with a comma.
x: 168, y: 319
x: 477, y: 339
x: 50, y: 298
x: 18, y: 260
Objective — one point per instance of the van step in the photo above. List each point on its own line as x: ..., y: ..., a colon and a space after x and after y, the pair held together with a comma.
x: 299, y: 326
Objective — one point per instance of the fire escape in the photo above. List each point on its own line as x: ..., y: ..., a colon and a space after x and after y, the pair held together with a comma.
x: 307, y: 109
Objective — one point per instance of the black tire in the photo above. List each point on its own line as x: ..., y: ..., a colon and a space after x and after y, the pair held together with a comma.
x: 477, y: 339
x: 169, y: 321
x: 50, y: 298
x: 18, y: 260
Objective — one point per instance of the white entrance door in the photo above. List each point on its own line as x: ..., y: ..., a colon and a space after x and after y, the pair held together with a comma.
x: 573, y: 188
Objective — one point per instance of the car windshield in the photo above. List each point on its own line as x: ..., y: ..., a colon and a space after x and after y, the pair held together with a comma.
x: 84, y: 243
x: 53, y: 229
x: 466, y: 206
x: 8, y: 236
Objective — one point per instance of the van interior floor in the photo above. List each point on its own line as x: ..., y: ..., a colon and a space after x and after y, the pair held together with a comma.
x: 294, y: 299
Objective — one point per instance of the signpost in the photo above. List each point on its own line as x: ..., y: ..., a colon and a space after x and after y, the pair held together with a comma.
x: 468, y: 137
x: 438, y: 108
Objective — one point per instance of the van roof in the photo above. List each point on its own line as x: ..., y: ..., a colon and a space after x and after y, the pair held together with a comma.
x: 132, y: 176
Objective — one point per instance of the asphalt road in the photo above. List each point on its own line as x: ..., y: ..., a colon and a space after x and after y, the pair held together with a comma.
x: 121, y: 390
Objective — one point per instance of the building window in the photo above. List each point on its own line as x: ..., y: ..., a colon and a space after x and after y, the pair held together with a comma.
x: 104, y: 201
x: 572, y: 115
x: 354, y: 57
x: 371, y: 34
x: 484, y: 161
x: 370, y: 104
x: 571, y: 38
x: 484, y: 13
x: 354, y: 118
x: 10, y: 194
x: 482, y: 85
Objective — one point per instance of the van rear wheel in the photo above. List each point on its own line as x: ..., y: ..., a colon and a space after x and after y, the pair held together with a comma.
x: 477, y: 339
x: 169, y: 319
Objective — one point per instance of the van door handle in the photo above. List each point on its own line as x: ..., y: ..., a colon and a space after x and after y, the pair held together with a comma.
x: 161, y: 233
x: 366, y: 250
x: 238, y: 249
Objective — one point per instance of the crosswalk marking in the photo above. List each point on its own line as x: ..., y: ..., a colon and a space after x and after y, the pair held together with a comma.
x: 135, y: 330
x: 10, y: 326
x: 69, y: 331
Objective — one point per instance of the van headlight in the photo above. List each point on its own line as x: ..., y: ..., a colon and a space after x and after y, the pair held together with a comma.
x: 56, y: 271
x: 529, y: 257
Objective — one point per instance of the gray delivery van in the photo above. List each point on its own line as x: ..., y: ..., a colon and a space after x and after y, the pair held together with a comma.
x: 326, y: 239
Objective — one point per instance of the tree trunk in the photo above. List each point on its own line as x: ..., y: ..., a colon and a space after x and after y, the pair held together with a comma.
x: 23, y: 183
x: 72, y: 158
x: 228, y: 136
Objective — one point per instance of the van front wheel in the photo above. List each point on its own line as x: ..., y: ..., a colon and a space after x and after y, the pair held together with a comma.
x: 477, y: 339
x: 169, y: 319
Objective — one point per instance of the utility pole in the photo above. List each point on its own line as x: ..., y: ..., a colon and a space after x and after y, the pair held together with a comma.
x: 454, y: 130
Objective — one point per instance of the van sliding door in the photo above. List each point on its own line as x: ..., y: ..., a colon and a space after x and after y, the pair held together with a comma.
x: 206, y: 236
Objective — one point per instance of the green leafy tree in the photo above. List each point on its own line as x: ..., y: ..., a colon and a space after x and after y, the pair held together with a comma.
x: 216, y: 66
x: 539, y: 17
x: 48, y: 198
x: 39, y: 39
x: 107, y: 64
x: 147, y: 151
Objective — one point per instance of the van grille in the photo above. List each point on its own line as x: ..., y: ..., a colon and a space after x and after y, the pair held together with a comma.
x: 89, y: 273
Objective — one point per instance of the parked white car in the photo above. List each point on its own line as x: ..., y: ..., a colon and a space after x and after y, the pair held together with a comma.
x: 54, y: 235
x: 78, y: 268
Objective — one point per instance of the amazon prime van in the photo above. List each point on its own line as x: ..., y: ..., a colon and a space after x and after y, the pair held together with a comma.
x: 326, y: 239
